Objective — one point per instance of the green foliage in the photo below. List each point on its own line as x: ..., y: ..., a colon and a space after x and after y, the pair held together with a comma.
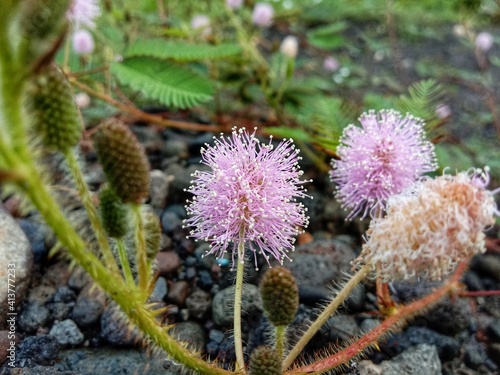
x: 327, y: 37
x: 113, y: 214
x: 170, y: 84
x: 181, y: 51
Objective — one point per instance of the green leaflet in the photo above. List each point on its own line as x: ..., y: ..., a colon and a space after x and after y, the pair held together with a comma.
x: 170, y: 84
x: 181, y: 51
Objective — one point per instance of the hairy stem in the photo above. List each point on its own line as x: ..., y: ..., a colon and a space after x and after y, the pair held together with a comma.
x: 280, y: 339
x: 323, y: 317
x: 122, y: 254
x: 238, y: 289
x: 403, y: 314
x: 95, y: 221
x: 140, y: 242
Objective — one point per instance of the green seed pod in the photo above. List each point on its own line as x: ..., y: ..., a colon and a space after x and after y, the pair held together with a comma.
x: 280, y: 295
x: 152, y: 234
x: 123, y: 160
x: 265, y: 361
x: 113, y: 214
x: 56, y: 118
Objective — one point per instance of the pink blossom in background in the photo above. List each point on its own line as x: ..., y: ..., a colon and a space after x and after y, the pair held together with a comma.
x: 248, y: 194
x: 83, y: 42
x: 331, y: 64
x: 234, y: 4
x: 82, y: 13
x: 443, y: 111
x: 82, y: 100
x: 484, y: 41
x: 385, y: 155
x: 290, y: 46
x: 201, y: 23
x: 263, y: 14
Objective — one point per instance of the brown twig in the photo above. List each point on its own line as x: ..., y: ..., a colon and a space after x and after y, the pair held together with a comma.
x: 143, y: 116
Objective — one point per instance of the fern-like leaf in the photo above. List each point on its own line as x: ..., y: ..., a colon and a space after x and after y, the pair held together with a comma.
x: 162, y: 49
x: 170, y: 84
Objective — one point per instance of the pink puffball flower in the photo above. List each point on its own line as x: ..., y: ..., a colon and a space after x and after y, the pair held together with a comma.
x: 263, y: 14
x: 385, y: 155
x: 82, y: 100
x: 248, y: 195
x: 484, y: 41
x: 331, y: 64
x: 201, y: 23
x: 430, y: 227
x: 83, y: 42
x: 234, y: 4
x: 82, y: 13
x: 443, y: 111
x: 290, y: 46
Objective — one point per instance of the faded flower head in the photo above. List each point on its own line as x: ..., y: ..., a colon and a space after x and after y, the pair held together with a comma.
x: 484, y: 41
x: 82, y: 13
x: 83, y: 42
x: 248, y: 195
x: 382, y: 157
x: 430, y: 227
x: 263, y: 14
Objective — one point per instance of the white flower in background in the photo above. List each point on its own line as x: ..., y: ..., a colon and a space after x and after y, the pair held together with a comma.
x: 263, y: 14
x: 201, y: 23
x: 82, y: 13
x: 484, y: 41
x: 290, y: 46
x: 234, y: 4
x: 459, y: 30
x: 331, y: 64
x: 83, y: 42
x: 82, y: 100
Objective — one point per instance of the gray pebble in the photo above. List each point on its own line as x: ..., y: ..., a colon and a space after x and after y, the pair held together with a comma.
x: 66, y: 333
x: 33, y: 316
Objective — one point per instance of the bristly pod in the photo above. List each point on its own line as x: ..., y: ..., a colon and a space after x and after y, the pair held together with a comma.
x: 56, y: 117
x: 280, y: 295
x: 113, y: 213
x: 265, y: 361
x: 123, y: 160
x: 152, y: 234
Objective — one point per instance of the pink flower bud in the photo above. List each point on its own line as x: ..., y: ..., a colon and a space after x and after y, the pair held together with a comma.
x: 82, y: 100
x: 290, y: 46
x: 201, y: 23
x: 443, y: 111
x: 83, y: 42
x: 82, y: 13
x: 263, y: 14
x: 331, y: 64
x: 234, y: 4
x: 484, y: 41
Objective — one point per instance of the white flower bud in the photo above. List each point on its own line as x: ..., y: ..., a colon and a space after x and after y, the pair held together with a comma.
x: 290, y: 46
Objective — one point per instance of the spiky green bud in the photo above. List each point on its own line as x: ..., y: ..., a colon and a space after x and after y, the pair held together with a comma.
x: 265, y: 361
x: 123, y: 160
x: 152, y: 234
x: 280, y: 295
x: 113, y: 213
x: 56, y: 117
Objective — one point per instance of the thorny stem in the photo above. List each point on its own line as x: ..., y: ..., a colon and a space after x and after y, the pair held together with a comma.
x: 83, y: 191
x: 327, y: 312
x: 401, y: 316
x: 240, y: 269
x: 147, y: 117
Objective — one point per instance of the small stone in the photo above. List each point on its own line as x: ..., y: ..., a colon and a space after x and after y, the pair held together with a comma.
x: 216, y: 335
x: 78, y: 279
x: 341, y: 328
x: 66, y: 333
x: 487, y: 265
x: 57, y: 274
x: 493, y: 330
x: 36, y: 233
x: 473, y: 356
x: 170, y: 222
x: 416, y: 360
x: 37, y: 350
x: 223, y: 302
x: 116, y: 329
x: 368, y: 368
x: 205, y: 280
x: 158, y: 188
x: 89, y: 306
x: 63, y: 294
x: 33, y: 316
x: 160, y: 290
x: 368, y: 324
x: 16, y: 259
x: 198, y: 304
x: 42, y: 293
x: 191, y: 333
x: 168, y: 262
x: 178, y: 292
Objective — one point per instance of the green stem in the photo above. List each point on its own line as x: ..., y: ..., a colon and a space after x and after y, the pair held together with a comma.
x: 95, y: 221
x: 140, y: 242
x: 122, y: 254
x: 323, y: 317
x: 280, y: 339
x: 238, y: 344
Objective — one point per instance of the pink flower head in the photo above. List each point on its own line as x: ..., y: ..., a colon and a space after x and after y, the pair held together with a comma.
x: 263, y: 14
x: 201, y: 23
x: 484, y: 41
x: 82, y: 13
x: 83, y: 42
x: 248, y: 195
x: 430, y: 227
x: 331, y: 64
x: 234, y: 4
x: 382, y: 157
